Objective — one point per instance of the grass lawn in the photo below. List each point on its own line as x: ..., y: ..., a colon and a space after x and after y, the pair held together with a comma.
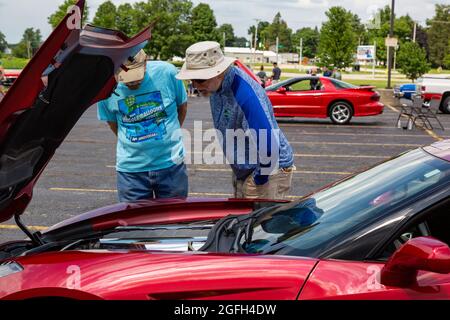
x: 380, y: 84
x: 435, y: 71
x: 9, y: 62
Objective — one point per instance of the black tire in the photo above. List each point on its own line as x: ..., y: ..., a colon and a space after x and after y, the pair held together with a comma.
x: 340, y: 112
x: 445, y: 107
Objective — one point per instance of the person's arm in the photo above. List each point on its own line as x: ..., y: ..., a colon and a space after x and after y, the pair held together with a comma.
x: 113, y: 127
x: 254, y: 111
x: 181, y: 97
x: 182, y: 110
x: 104, y: 114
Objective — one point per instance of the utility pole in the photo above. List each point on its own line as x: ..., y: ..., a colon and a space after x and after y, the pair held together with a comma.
x: 414, y: 32
x: 391, y: 35
x: 29, y: 49
x: 277, y: 48
x: 301, y: 53
x: 256, y: 39
x: 374, y: 59
x: 224, y: 40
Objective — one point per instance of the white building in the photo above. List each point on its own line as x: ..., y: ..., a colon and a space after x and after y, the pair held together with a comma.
x: 250, y: 55
x: 245, y: 55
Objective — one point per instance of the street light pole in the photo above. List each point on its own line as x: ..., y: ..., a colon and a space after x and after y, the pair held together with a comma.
x: 256, y: 39
x: 301, y: 52
x: 391, y: 35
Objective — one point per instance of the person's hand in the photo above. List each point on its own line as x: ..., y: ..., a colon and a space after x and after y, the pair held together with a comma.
x: 260, y: 179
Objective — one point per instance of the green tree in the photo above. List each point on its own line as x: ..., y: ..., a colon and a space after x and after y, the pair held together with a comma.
x: 31, y: 40
x: 3, y: 43
x: 411, y: 59
x: 439, y: 35
x: 261, y: 37
x: 172, y: 32
x: 240, y: 42
x: 55, y: 18
x: 337, y: 39
x: 124, y: 19
x: 106, y: 15
x: 204, y: 24
x: 228, y: 30
x: 359, y: 29
x: 310, y: 38
x: 279, y: 28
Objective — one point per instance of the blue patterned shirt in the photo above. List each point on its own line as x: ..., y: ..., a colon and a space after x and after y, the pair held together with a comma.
x: 241, y: 103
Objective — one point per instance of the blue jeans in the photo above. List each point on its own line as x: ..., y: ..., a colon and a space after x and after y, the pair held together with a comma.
x: 166, y: 183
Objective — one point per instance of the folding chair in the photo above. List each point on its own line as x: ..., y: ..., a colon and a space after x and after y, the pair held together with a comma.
x: 406, y: 110
x: 429, y: 111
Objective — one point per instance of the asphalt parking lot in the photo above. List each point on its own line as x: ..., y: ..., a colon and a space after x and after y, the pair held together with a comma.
x: 81, y: 176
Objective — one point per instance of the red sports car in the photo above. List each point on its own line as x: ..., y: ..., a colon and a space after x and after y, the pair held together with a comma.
x: 379, y: 234
x: 323, y: 97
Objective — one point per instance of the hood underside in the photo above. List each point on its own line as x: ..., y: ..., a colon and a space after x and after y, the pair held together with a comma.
x: 78, y: 67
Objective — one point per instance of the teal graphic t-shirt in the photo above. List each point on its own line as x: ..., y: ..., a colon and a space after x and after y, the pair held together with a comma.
x: 147, y: 120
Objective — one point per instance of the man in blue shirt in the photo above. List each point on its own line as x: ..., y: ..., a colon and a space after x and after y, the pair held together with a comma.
x: 239, y: 103
x: 146, y: 112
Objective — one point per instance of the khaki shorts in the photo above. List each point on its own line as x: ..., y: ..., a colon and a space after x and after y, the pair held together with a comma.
x: 277, y: 187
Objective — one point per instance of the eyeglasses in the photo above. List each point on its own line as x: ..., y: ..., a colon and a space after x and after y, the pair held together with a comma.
x: 200, y: 81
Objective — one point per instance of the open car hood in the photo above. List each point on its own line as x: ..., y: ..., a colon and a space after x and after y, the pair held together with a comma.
x: 78, y: 66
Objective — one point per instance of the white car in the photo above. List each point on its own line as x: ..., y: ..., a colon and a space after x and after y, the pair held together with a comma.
x: 436, y: 88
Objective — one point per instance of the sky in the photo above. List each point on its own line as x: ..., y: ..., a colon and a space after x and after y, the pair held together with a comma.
x: 17, y: 15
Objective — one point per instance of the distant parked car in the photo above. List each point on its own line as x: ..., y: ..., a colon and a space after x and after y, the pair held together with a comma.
x: 322, y: 97
x: 406, y: 90
x: 10, y: 76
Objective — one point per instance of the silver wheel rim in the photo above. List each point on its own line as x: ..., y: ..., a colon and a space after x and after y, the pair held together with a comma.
x: 340, y: 113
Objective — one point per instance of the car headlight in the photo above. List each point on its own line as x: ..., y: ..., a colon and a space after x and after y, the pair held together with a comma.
x: 9, y: 267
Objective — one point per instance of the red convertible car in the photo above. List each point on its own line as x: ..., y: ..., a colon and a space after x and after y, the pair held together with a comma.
x: 323, y: 97
x: 378, y: 234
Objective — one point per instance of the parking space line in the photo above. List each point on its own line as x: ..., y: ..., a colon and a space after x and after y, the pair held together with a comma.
x: 191, y: 194
x: 358, y: 144
x: 431, y: 133
x: 14, y: 227
x: 295, y: 172
x: 358, y: 134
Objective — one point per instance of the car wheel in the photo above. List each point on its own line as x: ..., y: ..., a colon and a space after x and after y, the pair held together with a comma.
x: 446, y: 105
x: 341, y: 112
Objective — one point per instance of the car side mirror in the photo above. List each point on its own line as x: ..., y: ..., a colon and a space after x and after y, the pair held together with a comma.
x: 421, y: 253
x: 281, y: 90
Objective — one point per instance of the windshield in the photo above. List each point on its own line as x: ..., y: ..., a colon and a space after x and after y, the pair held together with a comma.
x: 308, y: 227
x: 280, y: 84
x: 342, y: 85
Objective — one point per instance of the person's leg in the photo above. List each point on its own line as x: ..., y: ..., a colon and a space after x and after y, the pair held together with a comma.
x: 132, y: 187
x: 237, y: 187
x: 171, y: 182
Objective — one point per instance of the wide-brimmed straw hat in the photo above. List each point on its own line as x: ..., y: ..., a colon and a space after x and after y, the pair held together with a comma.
x: 204, y: 60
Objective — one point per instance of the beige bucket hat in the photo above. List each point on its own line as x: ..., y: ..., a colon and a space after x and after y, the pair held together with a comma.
x: 136, y: 68
x: 204, y: 60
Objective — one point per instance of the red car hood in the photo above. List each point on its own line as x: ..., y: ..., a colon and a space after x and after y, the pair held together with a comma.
x: 156, y: 275
x: 78, y: 67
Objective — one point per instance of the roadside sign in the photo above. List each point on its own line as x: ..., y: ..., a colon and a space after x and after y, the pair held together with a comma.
x: 365, y: 53
x: 391, y: 42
